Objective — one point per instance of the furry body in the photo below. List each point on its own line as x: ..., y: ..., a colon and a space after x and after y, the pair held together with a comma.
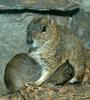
x: 54, y: 47
x: 50, y: 48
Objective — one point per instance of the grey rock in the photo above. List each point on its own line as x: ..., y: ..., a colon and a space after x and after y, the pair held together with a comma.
x: 62, y: 5
x: 80, y: 25
x: 85, y: 5
x: 39, y: 4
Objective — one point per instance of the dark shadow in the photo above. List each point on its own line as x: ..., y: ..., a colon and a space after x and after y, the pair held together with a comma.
x: 50, y: 12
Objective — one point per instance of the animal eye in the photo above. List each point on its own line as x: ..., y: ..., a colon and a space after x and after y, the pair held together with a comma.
x: 44, y: 28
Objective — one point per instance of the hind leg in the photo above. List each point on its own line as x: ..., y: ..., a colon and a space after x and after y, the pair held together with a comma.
x: 79, y: 72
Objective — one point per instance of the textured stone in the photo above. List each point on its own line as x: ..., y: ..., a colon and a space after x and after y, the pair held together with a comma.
x: 39, y: 4
x: 62, y: 5
x: 85, y: 5
x: 80, y: 25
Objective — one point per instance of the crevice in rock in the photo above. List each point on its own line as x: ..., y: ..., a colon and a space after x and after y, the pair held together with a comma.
x: 44, y: 12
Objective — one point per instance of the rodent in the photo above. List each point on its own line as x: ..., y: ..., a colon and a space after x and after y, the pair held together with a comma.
x: 50, y: 48
x: 22, y: 69
x: 54, y: 46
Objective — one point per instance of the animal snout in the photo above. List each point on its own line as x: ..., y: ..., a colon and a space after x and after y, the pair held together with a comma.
x: 29, y: 41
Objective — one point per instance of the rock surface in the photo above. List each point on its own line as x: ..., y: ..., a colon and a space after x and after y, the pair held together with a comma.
x: 80, y: 25
x: 85, y: 5
x: 62, y: 5
x: 39, y: 4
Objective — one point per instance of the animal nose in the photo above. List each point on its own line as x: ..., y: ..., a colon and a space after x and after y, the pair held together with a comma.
x: 29, y: 41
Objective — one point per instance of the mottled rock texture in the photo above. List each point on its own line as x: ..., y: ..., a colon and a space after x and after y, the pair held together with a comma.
x: 85, y: 5
x: 39, y: 4
x: 63, y: 5
x: 80, y: 25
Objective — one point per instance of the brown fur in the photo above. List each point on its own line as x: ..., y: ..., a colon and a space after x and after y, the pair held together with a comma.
x: 54, y: 47
x: 22, y: 69
x: 50, y: 49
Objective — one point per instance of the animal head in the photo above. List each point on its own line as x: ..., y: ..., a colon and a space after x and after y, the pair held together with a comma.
x: 40, y: 30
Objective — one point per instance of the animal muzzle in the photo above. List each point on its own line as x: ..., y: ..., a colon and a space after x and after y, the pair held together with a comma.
x: 29, y: 40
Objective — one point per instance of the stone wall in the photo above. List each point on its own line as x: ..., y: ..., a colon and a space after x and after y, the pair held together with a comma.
x: 12, y: 37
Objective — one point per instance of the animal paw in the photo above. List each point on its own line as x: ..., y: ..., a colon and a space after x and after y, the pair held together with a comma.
x: 29, y: 83
x: 73, y: 81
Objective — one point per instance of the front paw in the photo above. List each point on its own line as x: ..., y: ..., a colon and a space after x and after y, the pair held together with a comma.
x: 73, y: 81
x: 29, y: 84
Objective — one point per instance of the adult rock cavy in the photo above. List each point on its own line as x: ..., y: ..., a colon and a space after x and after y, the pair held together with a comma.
x: 54, y: 46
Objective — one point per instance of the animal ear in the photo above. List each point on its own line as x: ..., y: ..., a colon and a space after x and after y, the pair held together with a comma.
x: 50, y: 20
x: 53, y: 24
